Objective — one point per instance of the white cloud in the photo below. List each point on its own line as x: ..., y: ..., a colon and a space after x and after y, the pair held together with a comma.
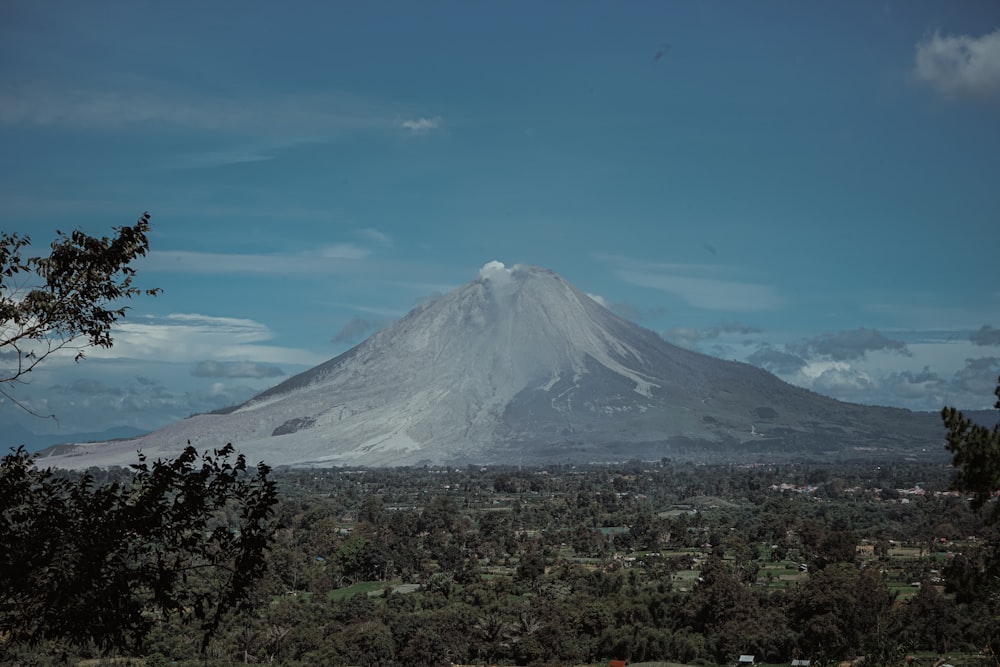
x: 112, y: 387
x: 374, y: 235
x: 960, y: 65
x: 238, y: 328
x: 885, y: 377
x: 181, y: 337
x: 843, y: 381
x: 815, y: 369
x: 496, y: 272
x: 420, y: 125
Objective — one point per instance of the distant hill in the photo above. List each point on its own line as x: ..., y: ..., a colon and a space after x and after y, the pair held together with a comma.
x: 518, y: 366
x: 987, y: 418
x: 14, y: 436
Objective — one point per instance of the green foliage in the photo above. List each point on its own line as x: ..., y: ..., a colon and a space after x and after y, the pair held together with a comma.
x: 580, y: 609
x: 972, y: 576
x: 83, y: 563
x: 975, y: 454
x: 68, y: 299
x: 837, y: 607
x: 91, y: 565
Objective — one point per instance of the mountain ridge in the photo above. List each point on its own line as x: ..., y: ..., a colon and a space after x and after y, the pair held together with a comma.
x: 518, y: 364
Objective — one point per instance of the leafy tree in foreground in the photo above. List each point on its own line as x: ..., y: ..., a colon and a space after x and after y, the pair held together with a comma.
x: 974, y: 577
x: 82, y: 564
x: 69, y: 299
x: 85, y: 564
x: 975, y: 453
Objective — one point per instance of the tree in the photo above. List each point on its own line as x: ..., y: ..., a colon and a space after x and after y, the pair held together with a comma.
x: 837, y: 608
x: 82, y: 563
x: 69, y: 299
x: 975, y: 454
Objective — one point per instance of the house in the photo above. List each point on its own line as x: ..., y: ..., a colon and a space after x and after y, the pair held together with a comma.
x: 797, y: 662
x: 618, y: 663
x: 746, y: 661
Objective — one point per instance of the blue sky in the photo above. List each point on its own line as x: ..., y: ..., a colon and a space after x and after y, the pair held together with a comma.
x: 810, y: 187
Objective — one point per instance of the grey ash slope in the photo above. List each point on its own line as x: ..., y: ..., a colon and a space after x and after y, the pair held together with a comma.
x: 520, y: 366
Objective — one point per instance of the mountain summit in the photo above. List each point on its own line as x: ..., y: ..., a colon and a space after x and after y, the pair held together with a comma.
x: 519, y: 366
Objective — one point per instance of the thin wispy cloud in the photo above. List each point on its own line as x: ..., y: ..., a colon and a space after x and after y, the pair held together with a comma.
x: 239, y: 154
x: 218, y: 159
x: 341, y: 260
x: 420, y: 125
x: 374, y: 236
x: 705, y: 286
x: 275, y: 115
x: 709, y: 293
x: 959, y: 66
x: 345, y: 251
x: 179, y: 337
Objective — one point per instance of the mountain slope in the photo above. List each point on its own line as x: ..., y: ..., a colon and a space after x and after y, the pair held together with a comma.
x: 520, y: 366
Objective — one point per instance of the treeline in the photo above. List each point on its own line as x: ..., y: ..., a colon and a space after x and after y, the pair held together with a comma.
x: 646, y: 561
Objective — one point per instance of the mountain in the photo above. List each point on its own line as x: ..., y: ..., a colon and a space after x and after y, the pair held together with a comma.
x: 986, y: 418
x: 519, y: 366
x: 13, y: 435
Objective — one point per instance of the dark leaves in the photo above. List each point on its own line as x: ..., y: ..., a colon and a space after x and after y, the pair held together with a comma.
x: 975, y: 453
x: 84, y: 563
x: 72, y: 297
